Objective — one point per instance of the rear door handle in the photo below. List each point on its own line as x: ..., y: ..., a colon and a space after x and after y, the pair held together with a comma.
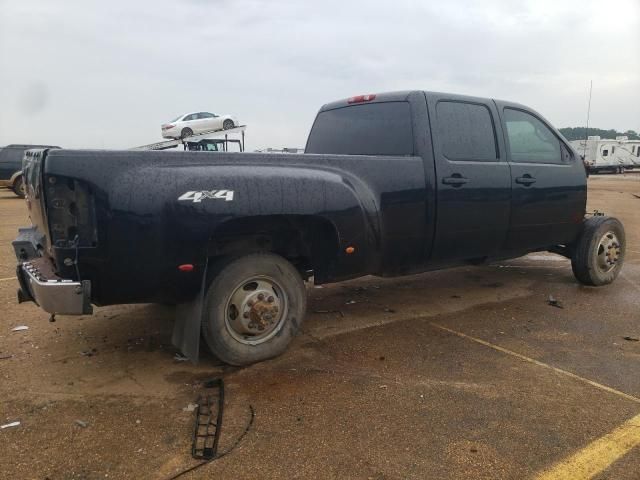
x: 456, y: 180
x: 526, y: 180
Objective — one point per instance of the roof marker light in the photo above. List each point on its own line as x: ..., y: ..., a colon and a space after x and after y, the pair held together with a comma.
x: 362, y: 98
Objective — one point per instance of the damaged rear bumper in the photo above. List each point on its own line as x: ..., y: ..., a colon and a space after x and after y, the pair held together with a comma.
x: 40, y: 284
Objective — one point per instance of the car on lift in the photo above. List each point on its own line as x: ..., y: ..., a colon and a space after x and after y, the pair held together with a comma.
x: 189, y: 124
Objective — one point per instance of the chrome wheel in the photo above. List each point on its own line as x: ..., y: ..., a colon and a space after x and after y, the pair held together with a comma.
x: 608, y: 252
x: 255, y: 310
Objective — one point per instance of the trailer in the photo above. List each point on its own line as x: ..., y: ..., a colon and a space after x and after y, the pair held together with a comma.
x: 213, y: 140
x: 608, y: 155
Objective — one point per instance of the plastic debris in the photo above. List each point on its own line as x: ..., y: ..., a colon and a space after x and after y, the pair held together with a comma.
x: 554, y: 302
x: 81, y: 423
x: 190, y: 408
x: 19, y: 328
x: 9, y: 425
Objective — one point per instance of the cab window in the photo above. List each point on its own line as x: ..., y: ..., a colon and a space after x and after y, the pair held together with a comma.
x: 382, y: 128
x: 466, y: 131
x: 530, y: 140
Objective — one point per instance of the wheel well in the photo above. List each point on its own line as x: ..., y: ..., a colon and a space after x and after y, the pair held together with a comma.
x: 309, y: 242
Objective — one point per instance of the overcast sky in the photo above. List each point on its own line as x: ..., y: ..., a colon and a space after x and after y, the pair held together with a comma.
x: 107, y: 74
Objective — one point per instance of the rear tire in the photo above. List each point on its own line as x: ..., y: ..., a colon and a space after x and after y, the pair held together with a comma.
x: 186, y: 132
x: 254, y: 307
x: 599, y: 253
x: 228, y: 124
x: 19, y: 187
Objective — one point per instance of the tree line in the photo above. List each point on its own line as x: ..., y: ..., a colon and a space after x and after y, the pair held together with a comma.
x: 580, y: 133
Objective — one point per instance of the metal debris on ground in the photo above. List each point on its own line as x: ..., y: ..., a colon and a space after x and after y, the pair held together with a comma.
x: 81, y: 423
x: 9, y: 425
x: 223, y: 454
x: 554, y: 302
x: 208, y: 422
x: 19, y: 328
x: 632, y: 339
x: 178, y: 357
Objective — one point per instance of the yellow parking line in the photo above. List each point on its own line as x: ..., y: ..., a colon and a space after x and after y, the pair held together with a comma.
x: 598, y: 455
x: 540, y: 364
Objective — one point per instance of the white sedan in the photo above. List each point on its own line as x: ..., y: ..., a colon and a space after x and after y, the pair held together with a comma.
x: 193, y: 123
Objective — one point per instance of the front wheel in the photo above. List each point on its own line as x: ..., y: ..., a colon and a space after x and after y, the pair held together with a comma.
x: 18, y: 187
x: 599, y: 253
x: 254, y: 307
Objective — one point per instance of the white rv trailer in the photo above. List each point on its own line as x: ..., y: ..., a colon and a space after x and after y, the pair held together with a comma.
x: 601, y: 154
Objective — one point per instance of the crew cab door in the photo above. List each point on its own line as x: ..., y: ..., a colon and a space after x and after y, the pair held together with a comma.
x: 548, y: 183
x: 473, y: 182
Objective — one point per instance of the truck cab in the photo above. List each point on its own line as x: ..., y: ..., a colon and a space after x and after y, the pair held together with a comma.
x: 499, y: 179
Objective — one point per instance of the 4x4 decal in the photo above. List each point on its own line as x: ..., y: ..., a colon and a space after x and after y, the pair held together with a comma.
x: 198, y: 196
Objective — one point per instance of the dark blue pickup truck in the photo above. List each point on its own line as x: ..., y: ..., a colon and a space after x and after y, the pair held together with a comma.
x: 390, y: 184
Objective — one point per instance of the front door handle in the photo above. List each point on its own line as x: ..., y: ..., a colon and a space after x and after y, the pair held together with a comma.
x: 525, y: 180
x: 455, y: 180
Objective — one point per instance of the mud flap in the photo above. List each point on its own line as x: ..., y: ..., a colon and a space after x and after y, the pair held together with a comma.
x: 188, y: 324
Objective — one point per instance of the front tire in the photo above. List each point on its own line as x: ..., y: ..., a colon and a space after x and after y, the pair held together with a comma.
x: 254, y: 307
x: 599, y: 253
x: 228, y: 124
x: 19, y: 187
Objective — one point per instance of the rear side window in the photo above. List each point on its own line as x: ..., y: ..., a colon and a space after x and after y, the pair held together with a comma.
x: 530, y: 140
x: 370, y: 129
x: 466, y: 131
